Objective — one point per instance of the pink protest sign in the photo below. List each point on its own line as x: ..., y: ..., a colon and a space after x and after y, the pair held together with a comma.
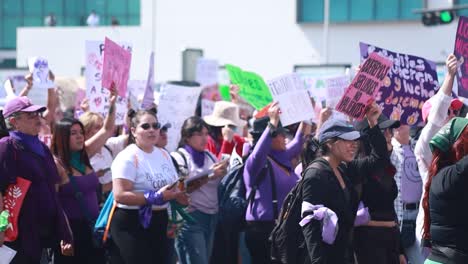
x: 116, y: 67
x: 364, y: 87
x: 461, y: 51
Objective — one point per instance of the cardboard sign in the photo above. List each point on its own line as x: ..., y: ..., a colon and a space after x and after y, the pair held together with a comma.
x: 409, y: 83
x: 252, y: 87
x: 461, y: 51
x: 364, y: 87
x: 116, y: 67
x: 39, y: 68
x: 207, y: 72
x: 293, y: 99
x: 98, y: 97
x: 148, y: 98
x: 176, y: 103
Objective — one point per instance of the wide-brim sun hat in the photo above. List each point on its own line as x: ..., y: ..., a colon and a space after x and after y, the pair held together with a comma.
x: 225, y: 114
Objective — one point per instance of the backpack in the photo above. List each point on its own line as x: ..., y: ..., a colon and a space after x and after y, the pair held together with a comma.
x: 287, y: 239
x: 232, y: 199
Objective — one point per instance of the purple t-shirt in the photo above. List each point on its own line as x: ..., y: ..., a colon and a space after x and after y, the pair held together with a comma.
x: 87, y: 185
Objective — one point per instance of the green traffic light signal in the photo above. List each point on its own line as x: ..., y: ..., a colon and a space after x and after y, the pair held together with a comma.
x: 446, y: 17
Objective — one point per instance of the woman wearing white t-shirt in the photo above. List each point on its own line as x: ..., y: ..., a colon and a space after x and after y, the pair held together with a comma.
x: 142, y: 175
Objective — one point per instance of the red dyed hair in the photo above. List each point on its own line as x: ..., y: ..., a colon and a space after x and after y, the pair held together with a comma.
x: 439, y: 161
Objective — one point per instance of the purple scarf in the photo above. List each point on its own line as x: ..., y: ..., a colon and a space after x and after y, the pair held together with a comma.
x: 32, y: 143
x: 197, y: 156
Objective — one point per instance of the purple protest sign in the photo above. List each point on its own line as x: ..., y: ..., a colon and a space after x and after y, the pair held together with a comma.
x: 116, y: 67
x: 409, y: 83
x: 148, y: 98
x: 364, y: 86
x: 461, y: 51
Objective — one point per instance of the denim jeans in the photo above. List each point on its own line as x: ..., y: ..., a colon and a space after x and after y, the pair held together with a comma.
x: 414, y: 252
x: 194, y: 241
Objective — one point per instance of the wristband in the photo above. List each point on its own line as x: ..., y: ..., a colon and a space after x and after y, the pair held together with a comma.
x: 154, y: 198
x: 4, y: 220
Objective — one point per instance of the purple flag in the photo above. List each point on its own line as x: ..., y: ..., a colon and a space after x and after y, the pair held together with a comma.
x: 461, y: 51
x: 409, y: 83
x: 148, y: 98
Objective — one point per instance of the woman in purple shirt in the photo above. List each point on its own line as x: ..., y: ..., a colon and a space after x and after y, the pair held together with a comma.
x: 77, y: 191
x: 270, y: 148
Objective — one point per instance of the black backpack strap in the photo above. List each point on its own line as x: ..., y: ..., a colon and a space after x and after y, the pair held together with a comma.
x: 274, y: 197
x: 108, y: 149
x: 207, y: 153
x: 177, y: 165
x: 259, y: 180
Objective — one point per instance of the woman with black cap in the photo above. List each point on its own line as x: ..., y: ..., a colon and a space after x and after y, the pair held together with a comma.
x: 378, y: 240
x: 329, y: 185
x: 268, y: 177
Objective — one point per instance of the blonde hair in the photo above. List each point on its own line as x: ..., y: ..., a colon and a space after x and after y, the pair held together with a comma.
x: 89, y: 119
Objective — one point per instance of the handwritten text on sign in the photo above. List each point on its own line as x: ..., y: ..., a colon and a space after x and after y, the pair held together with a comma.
x: 116, y: 67
x: 293, y: 99
x: 461, y: 51
x: 176, y: 103
x: 410, y: 82
x: 364, y: 87
x: 98, y: 97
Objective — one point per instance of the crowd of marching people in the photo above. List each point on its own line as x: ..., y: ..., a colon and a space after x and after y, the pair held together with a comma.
x: 237, y: 189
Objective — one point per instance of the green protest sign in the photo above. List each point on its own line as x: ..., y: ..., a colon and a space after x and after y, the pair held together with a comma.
x: 224, y: 91
x: 252, y: 87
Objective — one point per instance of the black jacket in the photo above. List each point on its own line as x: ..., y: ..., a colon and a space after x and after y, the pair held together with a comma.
x: 448, y: 201
x: 322, y: 187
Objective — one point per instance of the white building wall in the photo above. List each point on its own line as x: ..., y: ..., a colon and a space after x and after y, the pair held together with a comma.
x: 260, y: 35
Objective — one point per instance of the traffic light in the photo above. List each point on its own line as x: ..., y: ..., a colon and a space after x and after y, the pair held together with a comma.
x: 432, y: 18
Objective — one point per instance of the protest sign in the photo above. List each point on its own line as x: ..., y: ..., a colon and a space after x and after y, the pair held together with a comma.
x: 316, y: 86
x: 116, y: 67
x: 176, y: 103
x: 364, y: 87
x: 252, y: 87
x: 207, y: 72
x: 335, y: 88
x: 210, y: 95
x: 293, y: 99
x: 135, y: 92
x: 461, y: 52
x: 410, y: 82
x: 98, y: 97
x: 148, y: 98
x: 225, y: 92
x: 39, y: 68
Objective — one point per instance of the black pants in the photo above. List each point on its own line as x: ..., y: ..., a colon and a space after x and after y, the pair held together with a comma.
x: 136, y: 244
x: 256, y: 238
x: 377, y: 245
x: 84, y: 250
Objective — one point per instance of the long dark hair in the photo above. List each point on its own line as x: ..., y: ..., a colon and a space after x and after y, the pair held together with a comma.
x: 441, y: 159
x: 191, y: 125
x: 61, y: 143
x: 134, y: 120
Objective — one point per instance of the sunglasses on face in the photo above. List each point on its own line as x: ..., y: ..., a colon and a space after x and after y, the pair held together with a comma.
x: 30, y: 115
x: 147, y: 126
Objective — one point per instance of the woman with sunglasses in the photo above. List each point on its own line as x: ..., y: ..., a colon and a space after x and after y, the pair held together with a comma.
x: 142, y: 177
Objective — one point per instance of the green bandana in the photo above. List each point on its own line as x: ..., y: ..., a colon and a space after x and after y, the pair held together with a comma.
x: 76, y: 163
x: 448, y: 134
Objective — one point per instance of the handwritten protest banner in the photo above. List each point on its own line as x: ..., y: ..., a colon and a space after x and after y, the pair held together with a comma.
x: 410, y: 82
x: 364, y: 87
x: 98, y: 96
x: 207, y: 72
x: 39, y: 68
x: 116, y: 66
x: 148, y: 98
x: 293, y: 99
x: 252, y: 87
x: 176, y: 103
x: 461, y: 51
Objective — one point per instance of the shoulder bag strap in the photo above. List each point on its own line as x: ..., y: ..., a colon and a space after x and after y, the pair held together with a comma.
x: 79, y: 198
x: 274, y: 197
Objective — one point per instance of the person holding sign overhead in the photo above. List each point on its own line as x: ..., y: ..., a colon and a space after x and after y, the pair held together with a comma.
x: 269, y: 176
x: 142, y: 179
x: 194, y: 241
